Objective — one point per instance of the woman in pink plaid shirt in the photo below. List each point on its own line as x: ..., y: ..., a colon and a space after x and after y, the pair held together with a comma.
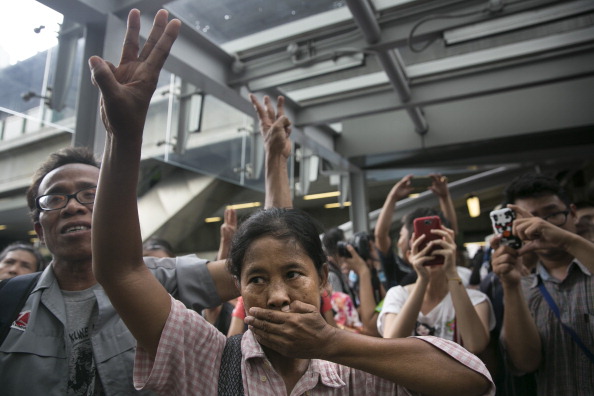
x: 278, y: 265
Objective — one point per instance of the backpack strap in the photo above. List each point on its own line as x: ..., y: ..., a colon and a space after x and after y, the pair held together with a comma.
x: 230, y: 380
x: 14, y: 293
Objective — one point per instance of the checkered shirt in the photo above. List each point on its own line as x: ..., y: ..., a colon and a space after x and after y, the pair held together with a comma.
x: 189, y: 357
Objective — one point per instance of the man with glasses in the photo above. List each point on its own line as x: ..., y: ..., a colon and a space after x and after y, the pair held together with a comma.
x: 69, y: 339
x: 548, y: 322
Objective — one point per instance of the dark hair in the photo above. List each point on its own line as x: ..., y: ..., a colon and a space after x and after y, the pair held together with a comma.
x: 330, y: 240
x: 65, y: 156
x: 409, y: 218
x: 533, y: 185
x: 26, y: 247
x: 155, y: 243
x: 282, y: 224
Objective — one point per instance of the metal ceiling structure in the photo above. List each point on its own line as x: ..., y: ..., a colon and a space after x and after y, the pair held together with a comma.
x: 381, y: 88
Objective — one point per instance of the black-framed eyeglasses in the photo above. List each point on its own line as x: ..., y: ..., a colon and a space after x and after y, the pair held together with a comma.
x: 557, y: 218
x: 49, y: 202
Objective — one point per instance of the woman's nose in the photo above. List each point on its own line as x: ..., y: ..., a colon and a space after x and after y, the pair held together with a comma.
x: 278, y: 296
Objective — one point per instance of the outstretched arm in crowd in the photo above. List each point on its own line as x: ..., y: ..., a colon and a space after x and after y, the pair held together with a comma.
x: 302, y: 333
x: 520, y: 334
x: 473, y: 321
x: 384, y: 221
x: 126, y: 90
x: 537, y: 233
x: 439, y: 187
x: 275, y: 128
x: 228, y: 229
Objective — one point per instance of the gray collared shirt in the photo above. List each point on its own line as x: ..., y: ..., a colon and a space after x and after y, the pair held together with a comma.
x: 33, y: 357
x: 565, y: 369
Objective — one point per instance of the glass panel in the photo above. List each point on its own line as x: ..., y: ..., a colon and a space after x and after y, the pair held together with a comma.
x: 26, y: 68
x: 226, y: 20
x: 222, y: 148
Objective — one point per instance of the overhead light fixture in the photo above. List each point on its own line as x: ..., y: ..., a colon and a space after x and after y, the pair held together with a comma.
x: 336, y: 205
x: 2, y: 227
x: 516, y: 21
x: 474, y: 205
x: 212, y: 219
x: 321, y: 195
x: 414, y: 195
x: 32, y: 233
x: 245, y: 205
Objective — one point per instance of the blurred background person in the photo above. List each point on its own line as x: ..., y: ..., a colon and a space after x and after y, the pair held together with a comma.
x: 20, y: 258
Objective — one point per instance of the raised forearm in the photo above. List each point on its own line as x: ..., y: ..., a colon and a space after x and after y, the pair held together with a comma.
x: 582, y: 249
x: 473, y: 331
x: 403, y: 324
x: 447, y: 207
x: 384, y: 222
x: 367, y: 302
x: 278, y: 192
x: 520, y: 334
x: 117, y: 243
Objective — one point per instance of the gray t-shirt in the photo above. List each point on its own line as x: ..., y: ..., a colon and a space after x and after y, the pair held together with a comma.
x: 81, y: 313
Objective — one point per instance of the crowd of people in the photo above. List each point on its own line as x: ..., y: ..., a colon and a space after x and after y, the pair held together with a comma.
x: 281, y: 310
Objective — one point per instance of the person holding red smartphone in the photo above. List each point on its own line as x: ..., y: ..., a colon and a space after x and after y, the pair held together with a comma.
x: 437, y: 303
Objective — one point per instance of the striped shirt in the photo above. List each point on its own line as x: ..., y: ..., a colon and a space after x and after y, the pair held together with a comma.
x: 565, y: 368
x: 189, y: 356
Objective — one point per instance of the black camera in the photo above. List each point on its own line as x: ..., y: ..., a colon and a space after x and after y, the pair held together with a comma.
x: 360, y: 241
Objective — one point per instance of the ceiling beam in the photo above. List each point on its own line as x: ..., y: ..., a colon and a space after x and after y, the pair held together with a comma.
x: 503, y: 79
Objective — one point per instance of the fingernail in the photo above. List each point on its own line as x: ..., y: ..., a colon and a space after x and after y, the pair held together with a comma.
x: 93, y: 62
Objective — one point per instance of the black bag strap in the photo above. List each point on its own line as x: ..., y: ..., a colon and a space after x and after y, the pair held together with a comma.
x: 574, y: 336
x: 230, y: 380
x: 14, y: 293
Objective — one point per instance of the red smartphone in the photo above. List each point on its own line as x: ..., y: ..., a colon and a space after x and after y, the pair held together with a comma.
x: 423, y: 226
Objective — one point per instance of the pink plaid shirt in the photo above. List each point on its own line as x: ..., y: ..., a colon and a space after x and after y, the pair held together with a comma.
x: 189, y: 356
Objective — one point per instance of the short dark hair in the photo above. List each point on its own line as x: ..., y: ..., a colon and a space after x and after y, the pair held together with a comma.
x: 156, y: 243
x: 409, y: 218
x: 330, y: 240
x: 282, y: 224
x: 534, y: 185
x: 65, y: 156
x: 26, y: 247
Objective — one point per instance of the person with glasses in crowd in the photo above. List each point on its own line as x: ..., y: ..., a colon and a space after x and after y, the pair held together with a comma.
x: 548, y: 321
x: 69, y: 338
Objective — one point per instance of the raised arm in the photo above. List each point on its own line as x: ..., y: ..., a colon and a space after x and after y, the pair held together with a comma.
x: 228, y: 229
x: 367, y: 304
x: 439, y: 187
x: 275, y: 128
x: 402, y: 324
x: 473, y: 321
x: 520, y: 333
x: 384, y: 221
x: 126, y: 91
x: 409, y: 362
x: 540, y: 234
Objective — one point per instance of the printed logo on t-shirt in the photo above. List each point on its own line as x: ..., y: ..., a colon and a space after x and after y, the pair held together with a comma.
x: 82, y: 371
x: 21, y: 321
x: 423, y: 329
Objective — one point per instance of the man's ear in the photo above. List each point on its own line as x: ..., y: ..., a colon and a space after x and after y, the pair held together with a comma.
x: 39, y: 231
